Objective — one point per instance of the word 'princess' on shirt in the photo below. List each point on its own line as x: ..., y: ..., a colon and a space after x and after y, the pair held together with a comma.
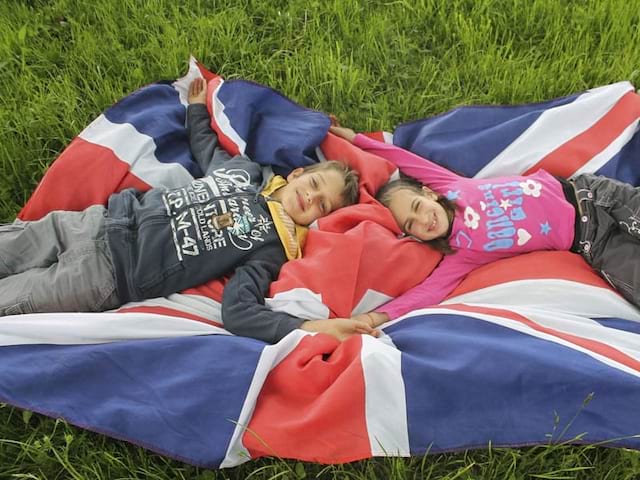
x: 495, y: 218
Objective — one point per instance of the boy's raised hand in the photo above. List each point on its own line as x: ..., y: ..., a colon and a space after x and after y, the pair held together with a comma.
x: 197, y: 91
x: 341, y: 328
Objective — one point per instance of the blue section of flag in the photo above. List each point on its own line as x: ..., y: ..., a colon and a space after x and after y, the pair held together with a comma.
x: 278, y: 131
x: 624, y: 165
x: 174, y: 396
x: 467, y: 138
x: 620, y: 324
x: 469, y: 382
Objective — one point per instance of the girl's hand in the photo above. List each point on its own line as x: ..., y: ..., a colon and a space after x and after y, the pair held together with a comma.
x: 343, y: 132
x: 375, y: 319
x: 197, y: 91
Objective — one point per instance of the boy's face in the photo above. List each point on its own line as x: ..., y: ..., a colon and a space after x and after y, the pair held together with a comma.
x: 309, y: 196
x: 419, y: 215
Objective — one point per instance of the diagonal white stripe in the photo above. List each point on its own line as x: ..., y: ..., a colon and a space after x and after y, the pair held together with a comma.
x: 371, y: 300
x: 136, y: 149
x: 554, y: 128
x: 583, y: 327
x: 561, y: 296
x: 224, y: 123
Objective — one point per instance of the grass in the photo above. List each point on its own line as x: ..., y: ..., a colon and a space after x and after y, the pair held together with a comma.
x: 372, y: 63
x: 42, y: 448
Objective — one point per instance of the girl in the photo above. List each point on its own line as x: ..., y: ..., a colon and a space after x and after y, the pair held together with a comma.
x: 477, y: 221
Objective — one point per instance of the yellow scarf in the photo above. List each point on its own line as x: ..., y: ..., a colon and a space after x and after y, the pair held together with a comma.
x: 291, y: 235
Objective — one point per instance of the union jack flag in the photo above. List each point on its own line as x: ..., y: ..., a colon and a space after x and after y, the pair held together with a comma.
x: 527, y: 350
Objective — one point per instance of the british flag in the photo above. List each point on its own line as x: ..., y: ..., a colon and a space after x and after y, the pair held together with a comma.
x: 528, y: 350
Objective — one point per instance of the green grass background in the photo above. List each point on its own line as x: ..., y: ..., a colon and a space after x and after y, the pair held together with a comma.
x: 374, y: 64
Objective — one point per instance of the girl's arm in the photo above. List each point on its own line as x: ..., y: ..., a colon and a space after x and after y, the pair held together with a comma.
x: 426, y: 171
x: 433, y: 289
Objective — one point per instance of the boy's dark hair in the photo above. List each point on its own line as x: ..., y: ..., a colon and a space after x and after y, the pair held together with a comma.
x: 350, y: 192
x: 408, y: 183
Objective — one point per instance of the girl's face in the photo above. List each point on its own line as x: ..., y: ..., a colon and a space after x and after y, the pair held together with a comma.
x: 419, y: 215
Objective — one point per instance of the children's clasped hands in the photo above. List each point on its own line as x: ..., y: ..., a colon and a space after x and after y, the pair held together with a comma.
x: 343, y: 328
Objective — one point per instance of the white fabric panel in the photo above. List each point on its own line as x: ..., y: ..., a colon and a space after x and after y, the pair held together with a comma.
x: 385, y: 402
x: 87, y: 328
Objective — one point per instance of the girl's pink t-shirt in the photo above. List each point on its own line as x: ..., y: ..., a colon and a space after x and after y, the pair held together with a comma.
x: 495, y: 218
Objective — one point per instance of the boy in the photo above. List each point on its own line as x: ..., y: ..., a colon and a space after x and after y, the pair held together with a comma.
x: 152, y: 244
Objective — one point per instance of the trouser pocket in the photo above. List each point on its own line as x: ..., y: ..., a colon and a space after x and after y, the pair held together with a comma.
x: 23, y: 305
x: 617, y: 259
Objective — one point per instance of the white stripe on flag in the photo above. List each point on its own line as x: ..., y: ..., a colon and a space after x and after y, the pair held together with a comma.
x: 554, y: 128
x: 552, y: 294
x: 320, y: 154
x: 182, y: 84
x: 88, y: 328
x: 385, y: 400
x: 224, y: 123
x: 138, y: 150
x: 371, y: 300
x: 197, y: 305
x: 271, y: 356
x: 299, y: 302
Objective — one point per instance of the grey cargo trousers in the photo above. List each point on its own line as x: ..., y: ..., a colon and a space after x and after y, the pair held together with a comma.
x: 60, y: 263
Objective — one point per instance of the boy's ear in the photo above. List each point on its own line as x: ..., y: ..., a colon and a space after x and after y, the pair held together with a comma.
x: 295, y: 173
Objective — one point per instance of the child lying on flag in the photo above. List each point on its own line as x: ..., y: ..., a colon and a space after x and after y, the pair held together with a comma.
x: 476, y: 221
x: 153, y: 244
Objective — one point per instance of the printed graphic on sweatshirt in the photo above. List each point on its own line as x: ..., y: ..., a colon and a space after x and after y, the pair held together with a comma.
x: 215, y: 212
x: 501, y: 219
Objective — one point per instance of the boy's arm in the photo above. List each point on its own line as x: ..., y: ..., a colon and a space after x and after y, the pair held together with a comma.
x: 244, y: 312
x: 243, y: 309
x: 203, y: 141
x: 433, y: 289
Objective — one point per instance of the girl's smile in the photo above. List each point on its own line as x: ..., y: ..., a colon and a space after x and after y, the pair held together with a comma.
x: 419, y: 215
